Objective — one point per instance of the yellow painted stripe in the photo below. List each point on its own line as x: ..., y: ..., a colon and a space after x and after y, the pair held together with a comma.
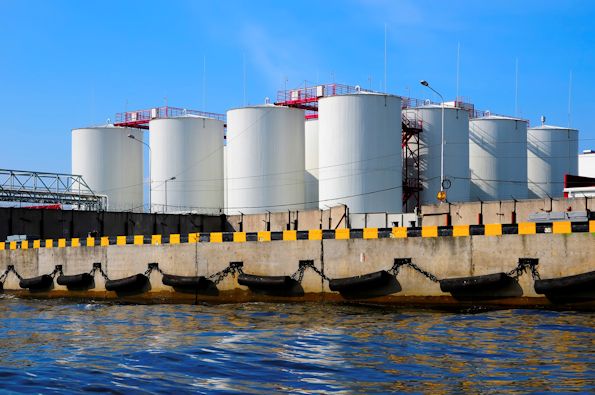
x: 36, y: 244
x: 527, y: 228
x: 264, y: 236
x: 156, y: 239
x: 75, y: 242
x: 90, y: 242
x: 2, y: 246
x: 342, y: 234
x: 315, y: 234
x: 592, y: 226
x: 193, y: 238
x: 216, y: 237
x: 429, y: 231
x: 49, y: 243
x: 61, y: 243
x: 290, y: 235
x: 370, y: 233
x: 12, y: 245
x: 493, y: 230
x: 139, y: 240
x: 561, y: 227
x: 104, y: 241
x: 174, y: 239
x: 399, y: 232
x: 239, y: 237
x: 120, y: 240
x: 24, y: 245
x: 460, y: 230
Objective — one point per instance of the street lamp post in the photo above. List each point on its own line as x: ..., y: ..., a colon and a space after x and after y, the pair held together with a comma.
x: 427, y: 85
x: 131, y: 136
x: 169, y: 179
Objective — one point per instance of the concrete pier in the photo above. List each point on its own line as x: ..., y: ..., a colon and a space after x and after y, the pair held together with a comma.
x: 445, y: 252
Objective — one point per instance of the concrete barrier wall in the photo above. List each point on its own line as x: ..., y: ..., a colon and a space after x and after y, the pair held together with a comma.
x: 499, y: 212
x: 562, y: 250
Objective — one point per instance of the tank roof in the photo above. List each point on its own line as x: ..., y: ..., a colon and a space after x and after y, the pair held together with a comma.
x: 498, y: 117
x: 551, y: 127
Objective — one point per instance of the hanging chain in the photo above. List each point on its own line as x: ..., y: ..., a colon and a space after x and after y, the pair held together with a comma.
x: 524, y: 265
x: 400, y: 262
x: 151, y: 267
x: 9, y: 268
x: 97, y: 268
x: 4, y: 275
x: 304, y: 265
x: 233, y: 268
x: 57, y: 270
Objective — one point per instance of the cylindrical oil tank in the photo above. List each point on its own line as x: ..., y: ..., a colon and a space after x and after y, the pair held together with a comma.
x: 552, y: 152
x: 456, y: 151
x: 111, y: 164
x: 265, y: 159
x: 186, y: 165
x: 360, y: 160
x: 311, y: 175
x: 498, y: 158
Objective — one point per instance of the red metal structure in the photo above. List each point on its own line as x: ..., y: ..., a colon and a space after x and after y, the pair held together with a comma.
x: 307, y: 97
x: 140, y: 118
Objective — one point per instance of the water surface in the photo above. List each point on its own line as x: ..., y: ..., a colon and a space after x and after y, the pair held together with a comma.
x: 53, y: 346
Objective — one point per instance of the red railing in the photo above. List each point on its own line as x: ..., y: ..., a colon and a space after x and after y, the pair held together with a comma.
x: 141, y: 118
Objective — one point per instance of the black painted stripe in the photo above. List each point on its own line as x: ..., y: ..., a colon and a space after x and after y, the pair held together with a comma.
x: 251, y: 236
x: 227, y: 237
x: 328, y: 234
x: 302, y: 235
x: 445, y: 231
x: 544, y: 227
x: 276, y: 236
x: 184, y: 239
x: 476, y: 230
x: 204, y: 237
x: 384, y: 233
x: 510, y: 229
x: 579, y: 227
x: 356, y: 234
x: 414, y: 231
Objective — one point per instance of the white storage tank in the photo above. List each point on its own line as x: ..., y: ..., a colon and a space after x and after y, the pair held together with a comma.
x: 311, y: 175
x: 111, y: 164
x: 360, y: 160
x: 456, y: 151
x: 186, y: 164
x: 498, y: 158
x: 552, y: 152
x: 265, y: 159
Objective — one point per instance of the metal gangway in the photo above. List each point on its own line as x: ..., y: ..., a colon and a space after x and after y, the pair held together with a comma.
x: 21, y: 186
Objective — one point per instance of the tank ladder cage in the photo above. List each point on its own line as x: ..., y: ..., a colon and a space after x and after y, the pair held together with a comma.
x: 140, y: 118
x: 21, y: 186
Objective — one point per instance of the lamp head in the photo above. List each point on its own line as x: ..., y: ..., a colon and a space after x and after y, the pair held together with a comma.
x: 131, y: 136
x: 424, y: 83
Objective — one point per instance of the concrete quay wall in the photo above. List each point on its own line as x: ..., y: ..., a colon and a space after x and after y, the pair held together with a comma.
x: 345, y: 253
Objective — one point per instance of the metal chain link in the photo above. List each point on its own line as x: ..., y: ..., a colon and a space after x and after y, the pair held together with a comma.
x: 57, y: 270
x: 233, y: 268
x: 97, y: 268
x: 10, y: 268
x: 398, y: 263
x: 522, y: 267
x: 304, y: 265
x: 151, y: 267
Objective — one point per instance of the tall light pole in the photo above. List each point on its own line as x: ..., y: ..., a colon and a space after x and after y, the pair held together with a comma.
x: 441, y: 195
x: 169, y: 179
x: 131, y: 136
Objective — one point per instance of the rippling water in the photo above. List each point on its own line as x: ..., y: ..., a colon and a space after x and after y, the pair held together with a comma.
x: 61, y: 347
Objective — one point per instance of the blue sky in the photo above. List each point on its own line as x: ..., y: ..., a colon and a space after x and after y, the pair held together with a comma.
x: 67, y: 64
